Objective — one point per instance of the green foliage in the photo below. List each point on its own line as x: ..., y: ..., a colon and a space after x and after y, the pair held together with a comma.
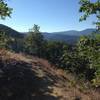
x: 35, y: 29
x: 89, y: 48
x: 4, y: 40
x: 54, y: 51
x: 34, y: 42
x: 10, y: 43
x: 5, y: 11
x: 90, y: 8
x: 17, y: 45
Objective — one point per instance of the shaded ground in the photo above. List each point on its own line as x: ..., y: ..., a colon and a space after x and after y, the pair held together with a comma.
x: 30, y: 78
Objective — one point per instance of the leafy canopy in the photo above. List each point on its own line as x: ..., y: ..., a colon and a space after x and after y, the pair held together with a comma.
x: 87, y: 7
x: 5, y: 11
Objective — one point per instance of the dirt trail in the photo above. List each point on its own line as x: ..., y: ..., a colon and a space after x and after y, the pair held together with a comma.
x: 52, y: 83
x: 59, y: 86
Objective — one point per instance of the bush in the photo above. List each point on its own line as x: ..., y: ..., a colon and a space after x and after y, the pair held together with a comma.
x: 89, y: 48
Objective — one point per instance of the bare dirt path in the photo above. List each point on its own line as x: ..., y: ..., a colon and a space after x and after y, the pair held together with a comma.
x: 51, y: 83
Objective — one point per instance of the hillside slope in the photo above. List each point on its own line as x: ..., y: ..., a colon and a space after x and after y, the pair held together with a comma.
x: 32, y: 78
x: 10, y: 32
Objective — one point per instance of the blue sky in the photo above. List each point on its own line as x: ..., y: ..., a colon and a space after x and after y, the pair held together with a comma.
x: 50, y: 15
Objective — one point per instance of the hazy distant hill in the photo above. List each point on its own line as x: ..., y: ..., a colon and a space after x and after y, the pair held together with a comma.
x: 76, y: 33
x: 61, y: 37
x: 68, y: 36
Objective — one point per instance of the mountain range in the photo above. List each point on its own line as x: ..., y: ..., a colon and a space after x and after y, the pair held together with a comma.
x: 70, y: 37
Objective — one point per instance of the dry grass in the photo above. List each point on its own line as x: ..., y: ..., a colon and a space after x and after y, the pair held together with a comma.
x: 64, y: 85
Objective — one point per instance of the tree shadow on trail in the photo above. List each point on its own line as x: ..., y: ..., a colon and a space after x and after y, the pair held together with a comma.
x: 18, y: 81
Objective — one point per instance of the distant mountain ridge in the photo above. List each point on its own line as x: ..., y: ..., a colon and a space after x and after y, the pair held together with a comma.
x: 10, y: 32
x: 71, y: 36
x: 75, y: 32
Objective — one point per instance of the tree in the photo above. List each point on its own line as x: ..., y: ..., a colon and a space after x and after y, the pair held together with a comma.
x: 54, y: 51
x: 4, y: 41
x: 36, y: 29
x: 34, y: 42
x: 89, y: 47
x: 90, y: 8
x: 5, y: 11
